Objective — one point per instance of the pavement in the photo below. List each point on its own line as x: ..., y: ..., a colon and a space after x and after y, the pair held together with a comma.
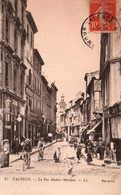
x: 95, y: 162
x: 100, y: 163
x: 16, y: 157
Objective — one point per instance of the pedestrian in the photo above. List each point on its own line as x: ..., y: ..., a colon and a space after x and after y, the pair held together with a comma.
x: 16, y: 145
x: 94, y: 149
x: 78, y: 153
x: 22, y: 146
x: 89, y: 152
x: 112, y: 149
x: 57, y: 154
x: 101, y: 148
x: 70, y: 156
x: 107, y: 157
x: 27, y: 149
x: 40, y: 147
x: 75, y: 145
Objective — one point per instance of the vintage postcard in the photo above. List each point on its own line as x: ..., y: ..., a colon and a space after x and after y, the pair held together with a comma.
x: 60, y: 97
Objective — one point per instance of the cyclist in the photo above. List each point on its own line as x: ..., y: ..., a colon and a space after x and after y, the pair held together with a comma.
x: 27, y: 149
x: 40, y: 148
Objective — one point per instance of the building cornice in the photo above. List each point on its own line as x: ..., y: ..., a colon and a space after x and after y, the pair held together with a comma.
x: 4, y: 90
x: 36, y: 52
x: 44, y: 79
x: 31, y: 21
x: 54, y: 87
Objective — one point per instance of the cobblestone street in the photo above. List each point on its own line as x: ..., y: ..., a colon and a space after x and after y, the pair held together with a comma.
x: 47, y: 166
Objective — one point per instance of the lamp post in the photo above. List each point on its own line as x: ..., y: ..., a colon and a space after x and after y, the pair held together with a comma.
x: 43, y: 122
x: 19, y: 119
x: 8, y: 130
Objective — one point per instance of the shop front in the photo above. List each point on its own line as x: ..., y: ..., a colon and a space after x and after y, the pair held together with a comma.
x: 13, y: 127
x: 115, y: 118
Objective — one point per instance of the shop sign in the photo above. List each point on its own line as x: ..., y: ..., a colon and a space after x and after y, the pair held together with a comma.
x: 97, y: 85
x: 8, y: 126
x: 114, y: 109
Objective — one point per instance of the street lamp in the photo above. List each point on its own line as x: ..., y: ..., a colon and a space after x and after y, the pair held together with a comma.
x: 7, y: 113
x: 43, y: 117
x: 19, y: 119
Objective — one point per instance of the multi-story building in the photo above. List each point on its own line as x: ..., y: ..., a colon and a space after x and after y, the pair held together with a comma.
x: 35, y: 115
x: 21, y: 83
x: 31, y: 29
x: 93, y: 89
x: 48, y: 107
x: 67, y: 122
x: 12, y: 68
x: 53, y: 109
x: 110, y: 74
x: 77, y: 116
x: 85, y: 117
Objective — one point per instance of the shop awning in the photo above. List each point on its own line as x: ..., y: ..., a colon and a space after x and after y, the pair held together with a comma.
x: 93, y: 129
x: 84, y: 128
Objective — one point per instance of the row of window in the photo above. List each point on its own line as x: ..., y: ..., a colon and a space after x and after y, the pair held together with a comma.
x: 36, y: 82
x: 15, y: 79
x: 16, y: 44
x: 22, y: 10
x: 16, y: 41
x: 33, y: 104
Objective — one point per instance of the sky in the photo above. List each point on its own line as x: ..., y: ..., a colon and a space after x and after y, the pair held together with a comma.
x: 67, y: 59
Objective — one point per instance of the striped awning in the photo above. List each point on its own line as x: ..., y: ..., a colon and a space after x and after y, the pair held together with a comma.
x: 93, y: 129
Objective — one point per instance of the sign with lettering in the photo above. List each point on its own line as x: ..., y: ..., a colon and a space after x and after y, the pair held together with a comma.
x: 114, y: 109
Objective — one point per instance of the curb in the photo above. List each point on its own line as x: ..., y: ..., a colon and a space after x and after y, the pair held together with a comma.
x: 34, y: 151
x: 102, y: 165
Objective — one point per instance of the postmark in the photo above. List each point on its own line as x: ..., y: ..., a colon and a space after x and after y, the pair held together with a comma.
x: 101, y: 21
x: 93, y: 22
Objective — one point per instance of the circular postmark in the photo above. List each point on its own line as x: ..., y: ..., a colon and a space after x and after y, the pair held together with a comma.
x: 98, y: 22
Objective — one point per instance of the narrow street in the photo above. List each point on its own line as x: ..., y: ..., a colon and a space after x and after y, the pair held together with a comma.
x: 47, y: 166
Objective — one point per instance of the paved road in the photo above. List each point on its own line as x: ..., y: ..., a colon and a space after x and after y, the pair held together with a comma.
x: 47, y: 167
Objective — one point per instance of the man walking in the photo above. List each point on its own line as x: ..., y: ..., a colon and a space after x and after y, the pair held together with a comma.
x: 70, y: 157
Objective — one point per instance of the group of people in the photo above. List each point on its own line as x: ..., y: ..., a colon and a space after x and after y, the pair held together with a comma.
x: 98, y: 150
x: 95, y: 149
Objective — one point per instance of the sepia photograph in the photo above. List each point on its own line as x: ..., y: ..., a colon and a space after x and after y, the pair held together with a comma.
x: 60, y: 97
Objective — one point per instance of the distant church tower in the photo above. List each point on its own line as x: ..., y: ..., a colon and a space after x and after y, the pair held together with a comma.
x: 62, y: 105
x: 61, y: 110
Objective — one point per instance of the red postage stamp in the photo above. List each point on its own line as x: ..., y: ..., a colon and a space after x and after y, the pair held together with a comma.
x: 102, y: 15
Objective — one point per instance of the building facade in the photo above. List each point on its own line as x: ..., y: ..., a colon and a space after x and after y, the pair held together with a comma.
x: 12, y: 68
x: 22, y: 93
x: 48, y: 108
x: 110, y: 74
x: 31, y: 29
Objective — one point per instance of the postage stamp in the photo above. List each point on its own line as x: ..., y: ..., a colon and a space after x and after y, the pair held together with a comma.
x: 87, y: 34
x: 104, y: 12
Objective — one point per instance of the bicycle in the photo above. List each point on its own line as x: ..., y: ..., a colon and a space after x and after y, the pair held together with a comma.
x: 40, y: 153
x: 26, y: 160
